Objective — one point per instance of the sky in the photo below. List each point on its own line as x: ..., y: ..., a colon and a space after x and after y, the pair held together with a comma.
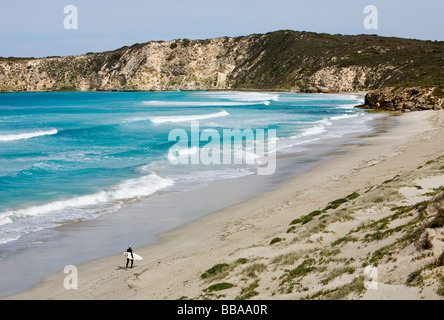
x: 30, y: 28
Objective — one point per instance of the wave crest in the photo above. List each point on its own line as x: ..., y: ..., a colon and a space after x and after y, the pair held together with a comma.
x: 160, y: 103
x: 127, y: 190
x: 27, y: 135
x: 165, y: 119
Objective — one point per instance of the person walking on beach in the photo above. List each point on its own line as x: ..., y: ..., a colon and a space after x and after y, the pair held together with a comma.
x: 130, y: 251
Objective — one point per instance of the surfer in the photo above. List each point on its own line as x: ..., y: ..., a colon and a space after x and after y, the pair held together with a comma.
x: 128, y: 259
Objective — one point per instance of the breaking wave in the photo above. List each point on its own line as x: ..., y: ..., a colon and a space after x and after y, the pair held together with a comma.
x: 164, y: 119
x: 27, y: 135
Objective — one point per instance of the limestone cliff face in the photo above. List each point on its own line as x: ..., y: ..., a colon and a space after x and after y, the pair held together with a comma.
x: 341, y: 79
x: 399, y: 73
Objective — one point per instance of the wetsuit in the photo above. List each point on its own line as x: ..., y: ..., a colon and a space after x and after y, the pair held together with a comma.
x: 128, y: 260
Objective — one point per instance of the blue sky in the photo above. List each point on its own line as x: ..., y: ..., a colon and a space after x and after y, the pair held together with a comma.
x: 35, y: 28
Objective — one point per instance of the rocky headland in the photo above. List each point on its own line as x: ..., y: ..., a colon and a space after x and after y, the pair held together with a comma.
x: 398, y: 74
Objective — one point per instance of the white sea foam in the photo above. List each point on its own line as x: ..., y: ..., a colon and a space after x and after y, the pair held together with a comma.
x: 244, y: 96
x: 319, y: 131
x: 347, y: 106
x: 165, y: 119
x: 344, y: 116
x: 27, y: 135
x: 294, y: 143
x: 319, y: 128
x: 313, y: 130
x: 6, y: 240
x: 80, y: 201
x: 176, y: 152
x: 126, y: 190
x: 4, y: 219
x: 161, y: 103
x: 324, y: 122
x: 140, y: 187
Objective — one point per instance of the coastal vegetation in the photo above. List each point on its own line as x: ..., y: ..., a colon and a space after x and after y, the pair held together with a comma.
x: 286, y: 58
x: 377, y: 228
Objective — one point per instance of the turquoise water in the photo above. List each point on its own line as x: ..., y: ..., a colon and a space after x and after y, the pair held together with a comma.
x: 66, y: 157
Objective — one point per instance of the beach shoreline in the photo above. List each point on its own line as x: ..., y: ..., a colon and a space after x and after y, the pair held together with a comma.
x: 171, y: 268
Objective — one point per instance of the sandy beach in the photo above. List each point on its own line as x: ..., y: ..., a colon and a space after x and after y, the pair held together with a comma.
x: 239, y: 237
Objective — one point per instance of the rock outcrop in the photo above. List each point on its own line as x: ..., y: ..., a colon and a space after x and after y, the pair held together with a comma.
x: 410, y: 99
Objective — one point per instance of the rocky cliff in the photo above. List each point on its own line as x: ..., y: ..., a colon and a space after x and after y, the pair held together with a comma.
x: 286, y: 60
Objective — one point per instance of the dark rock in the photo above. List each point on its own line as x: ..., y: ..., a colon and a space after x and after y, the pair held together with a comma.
x: 411, y: 99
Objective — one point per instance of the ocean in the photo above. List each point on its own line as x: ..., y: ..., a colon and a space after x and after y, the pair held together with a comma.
x: 71, y: 157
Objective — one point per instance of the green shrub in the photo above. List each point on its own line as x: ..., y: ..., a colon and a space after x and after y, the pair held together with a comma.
x: 241, y: 261
x: 344, y: 239
x: 352, y: 196
x: 440, y: 290
x: 438, y: 221
x: 307, y: 218
x: 303, y: 269
x: 214, y: 270
x: 335, y: 204
x: 276, y: 240
x: 254, y: 269
x: 415, y: 278
x: 248, y: 291
x: 439, y: 262
x: 219, y: 287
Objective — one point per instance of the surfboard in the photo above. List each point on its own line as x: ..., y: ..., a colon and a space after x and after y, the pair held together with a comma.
x: 135, y: 255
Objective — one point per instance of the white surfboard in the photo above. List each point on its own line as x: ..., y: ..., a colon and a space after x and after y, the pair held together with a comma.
x: 135, y: 255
